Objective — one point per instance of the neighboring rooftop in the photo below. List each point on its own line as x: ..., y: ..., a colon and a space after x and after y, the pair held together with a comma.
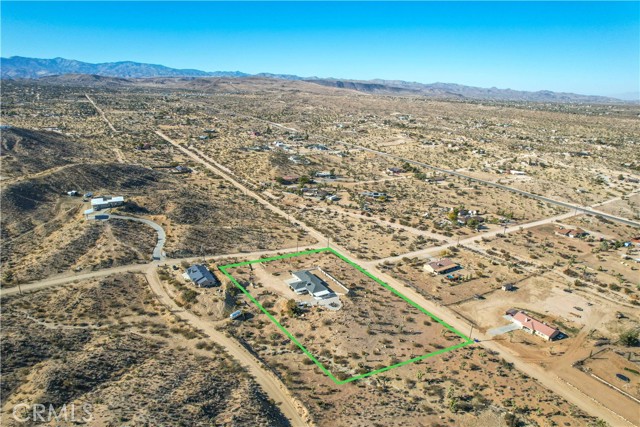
x: 571, y: 232
x: 441, y: 266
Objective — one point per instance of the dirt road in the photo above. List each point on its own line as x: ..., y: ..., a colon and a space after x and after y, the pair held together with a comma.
x: 624, y: 413
x: 71, y: 277
x: 549, y: 379
x: 477, y: 238
x: 545, y: 199
x: 213, y: 166
x: 274, y: 388
x: 99, y: 110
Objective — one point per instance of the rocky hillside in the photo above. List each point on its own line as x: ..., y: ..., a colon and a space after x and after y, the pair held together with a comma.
x: 43, y: 230
x: 25, y: 151
x: 108, y: 343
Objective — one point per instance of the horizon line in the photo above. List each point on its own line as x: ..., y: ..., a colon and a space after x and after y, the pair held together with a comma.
x: 634, y: 94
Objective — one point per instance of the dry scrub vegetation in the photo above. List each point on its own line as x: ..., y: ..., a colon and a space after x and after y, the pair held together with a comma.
x: 109, y: 343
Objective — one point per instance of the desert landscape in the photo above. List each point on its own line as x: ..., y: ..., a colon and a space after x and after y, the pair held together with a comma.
x: 456, y: 211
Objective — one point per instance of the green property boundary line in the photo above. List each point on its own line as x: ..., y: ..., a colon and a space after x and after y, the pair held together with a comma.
x: 466, y: 340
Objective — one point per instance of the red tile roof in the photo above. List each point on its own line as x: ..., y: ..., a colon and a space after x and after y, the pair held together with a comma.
x: 535, y: 325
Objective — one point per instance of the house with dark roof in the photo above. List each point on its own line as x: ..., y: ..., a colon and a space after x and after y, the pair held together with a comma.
x: 395, y: 171
x: 442, y: 266
x: 305, y: 282
x: 289, y: 179
x: 181, y: 169
x: 435, y: 178
x: 200, y: 276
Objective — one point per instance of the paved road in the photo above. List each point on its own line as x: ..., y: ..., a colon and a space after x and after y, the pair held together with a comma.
x: 388, y: 224
x: 71, y: 277
x: 583, y: 209
x: 473, y: 239
x: 212, y: 165
x: 548, y: 379
x: 158, y: 253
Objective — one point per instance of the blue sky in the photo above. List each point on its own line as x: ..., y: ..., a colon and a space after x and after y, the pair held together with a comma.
x: 583, y: 47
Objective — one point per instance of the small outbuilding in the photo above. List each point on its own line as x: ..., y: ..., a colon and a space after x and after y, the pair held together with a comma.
x: 395, y: 171
x: 574, y: 233
x: 236, y: 315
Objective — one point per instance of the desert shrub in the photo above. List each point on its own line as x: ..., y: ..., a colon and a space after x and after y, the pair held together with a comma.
x: 629, y: 338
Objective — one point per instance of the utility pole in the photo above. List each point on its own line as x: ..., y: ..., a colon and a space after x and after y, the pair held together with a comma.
x: 471, y: 332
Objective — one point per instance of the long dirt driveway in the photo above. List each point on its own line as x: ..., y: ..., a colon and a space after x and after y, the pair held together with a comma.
x: 274, y: 388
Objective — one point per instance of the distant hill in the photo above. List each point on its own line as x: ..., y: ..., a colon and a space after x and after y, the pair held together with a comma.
x: 33, y: 68
x: 452, y: 90
x: 17, y: 67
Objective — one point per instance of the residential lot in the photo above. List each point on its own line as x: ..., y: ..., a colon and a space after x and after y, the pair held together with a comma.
x: 609, y: 363
x: 477, y: 276
x: 373, y: 328
x: 370, y: 330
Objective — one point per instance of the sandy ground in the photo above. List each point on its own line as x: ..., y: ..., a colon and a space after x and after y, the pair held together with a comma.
x: 609, y: 363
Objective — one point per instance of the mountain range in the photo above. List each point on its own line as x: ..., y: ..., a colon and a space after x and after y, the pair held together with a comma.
x: 17, y: 67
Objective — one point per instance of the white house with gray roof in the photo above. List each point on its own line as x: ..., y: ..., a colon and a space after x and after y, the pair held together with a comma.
x: 201, y: 276
x: 305, y: 282
x: 106, y: 202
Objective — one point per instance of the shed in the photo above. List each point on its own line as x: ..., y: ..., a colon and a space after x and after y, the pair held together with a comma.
x: 236, y: 314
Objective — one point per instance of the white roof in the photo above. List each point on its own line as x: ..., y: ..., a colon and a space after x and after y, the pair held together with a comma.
x: 102, y: 200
